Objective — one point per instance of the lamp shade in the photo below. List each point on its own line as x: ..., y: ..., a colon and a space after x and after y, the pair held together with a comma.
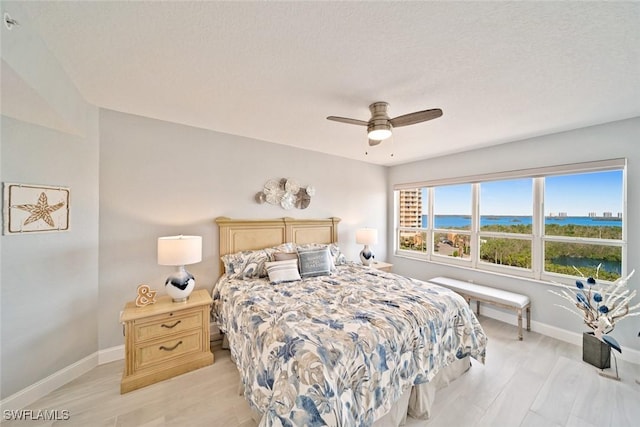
x: 179, y: 250
x: 367, y: 236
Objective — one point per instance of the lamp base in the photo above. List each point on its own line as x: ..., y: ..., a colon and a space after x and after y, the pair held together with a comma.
x: 366, y: 256
x: 180, y: 285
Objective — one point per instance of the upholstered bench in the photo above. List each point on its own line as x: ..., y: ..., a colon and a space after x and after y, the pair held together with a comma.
x: 489, y: 295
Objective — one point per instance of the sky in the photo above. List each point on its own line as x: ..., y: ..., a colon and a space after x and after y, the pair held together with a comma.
x: 580, y: 194
x: 576, y: 194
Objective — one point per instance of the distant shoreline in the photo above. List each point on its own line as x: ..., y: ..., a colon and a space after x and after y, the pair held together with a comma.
x: 595, y: 218
x: 453, y: 221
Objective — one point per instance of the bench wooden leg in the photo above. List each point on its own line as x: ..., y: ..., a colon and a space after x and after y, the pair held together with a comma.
x: 528, y: 318
x: 520, y: 324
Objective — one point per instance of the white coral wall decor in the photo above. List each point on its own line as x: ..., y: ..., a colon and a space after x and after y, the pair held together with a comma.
x: 287, y: 193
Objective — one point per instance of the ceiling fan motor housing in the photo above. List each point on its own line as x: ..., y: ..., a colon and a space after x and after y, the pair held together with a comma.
x: 379, y: 127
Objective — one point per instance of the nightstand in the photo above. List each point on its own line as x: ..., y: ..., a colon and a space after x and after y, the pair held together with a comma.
x: 382, y: 266
x: 165, y: 339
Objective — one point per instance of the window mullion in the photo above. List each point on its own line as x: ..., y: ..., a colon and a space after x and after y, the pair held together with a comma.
x: 584, y: 240
x: 475, y: 225
x: 537, y: 250
x: 430, y: 222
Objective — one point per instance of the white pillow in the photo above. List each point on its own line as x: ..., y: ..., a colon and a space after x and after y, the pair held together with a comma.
x: 283, y: 271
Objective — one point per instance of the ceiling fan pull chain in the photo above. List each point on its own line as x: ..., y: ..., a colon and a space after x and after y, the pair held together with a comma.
x: 392, y: 145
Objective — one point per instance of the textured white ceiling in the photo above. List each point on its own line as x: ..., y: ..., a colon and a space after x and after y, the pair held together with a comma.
x: 273, y: 71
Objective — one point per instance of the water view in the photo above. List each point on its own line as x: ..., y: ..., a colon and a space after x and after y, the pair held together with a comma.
x: 464, y: 221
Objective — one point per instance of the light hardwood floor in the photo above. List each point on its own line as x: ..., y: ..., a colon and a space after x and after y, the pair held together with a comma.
x: 536, y: 382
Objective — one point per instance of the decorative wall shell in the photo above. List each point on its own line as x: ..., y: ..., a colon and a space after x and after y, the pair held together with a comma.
x: 287, y: 193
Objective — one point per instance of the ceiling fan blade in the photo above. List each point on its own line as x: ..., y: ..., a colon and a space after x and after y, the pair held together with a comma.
x: 347, y: 120
x: 374, y: 142
x: 417, y: 117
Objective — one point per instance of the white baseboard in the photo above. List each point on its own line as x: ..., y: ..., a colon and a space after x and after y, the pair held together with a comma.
x: 629, y: 355
x: 45, y: 386
x: 30, y: 394
x: 111, y: 354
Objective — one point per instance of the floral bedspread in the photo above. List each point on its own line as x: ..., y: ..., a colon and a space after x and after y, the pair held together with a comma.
x: 339, y: 350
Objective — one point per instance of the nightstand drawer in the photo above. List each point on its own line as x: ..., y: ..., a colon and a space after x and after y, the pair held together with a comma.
x: 167, y: 324
x: 161, y: 350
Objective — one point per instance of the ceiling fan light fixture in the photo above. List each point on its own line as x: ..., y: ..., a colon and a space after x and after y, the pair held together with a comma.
x: 379, y: 132
x: 379, y: 125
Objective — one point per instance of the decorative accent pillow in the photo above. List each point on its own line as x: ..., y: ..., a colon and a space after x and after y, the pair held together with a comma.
x: 337, y: 257
x: 315, y: 262
x: 285, y: 247
x: 283, y: 256
x: 283, y: 271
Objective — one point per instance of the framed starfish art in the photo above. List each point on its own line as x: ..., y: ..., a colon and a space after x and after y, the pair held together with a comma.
x: 35, y: 208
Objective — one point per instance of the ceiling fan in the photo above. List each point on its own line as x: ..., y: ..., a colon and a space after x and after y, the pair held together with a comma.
x: 379, y: 125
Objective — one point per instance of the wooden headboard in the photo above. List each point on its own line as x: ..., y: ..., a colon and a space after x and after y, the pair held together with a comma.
x: 243, y: 235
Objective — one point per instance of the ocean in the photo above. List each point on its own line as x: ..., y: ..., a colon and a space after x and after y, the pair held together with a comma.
x: 464, y: 221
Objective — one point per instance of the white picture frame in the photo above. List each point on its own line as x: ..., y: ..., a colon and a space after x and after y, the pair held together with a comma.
x: 35, y: 208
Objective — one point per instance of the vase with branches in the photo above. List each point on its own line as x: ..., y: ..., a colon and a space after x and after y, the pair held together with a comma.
x: 600, y: 305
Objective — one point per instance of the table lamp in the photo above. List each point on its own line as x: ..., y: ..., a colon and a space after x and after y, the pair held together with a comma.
x: 366, y: 237
x: 179, y: 251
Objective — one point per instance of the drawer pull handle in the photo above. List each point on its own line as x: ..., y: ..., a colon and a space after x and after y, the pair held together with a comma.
x: 172, y: 326
x: 171, y: 348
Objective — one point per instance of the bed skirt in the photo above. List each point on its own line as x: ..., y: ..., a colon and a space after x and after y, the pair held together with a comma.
x: 416, y: 402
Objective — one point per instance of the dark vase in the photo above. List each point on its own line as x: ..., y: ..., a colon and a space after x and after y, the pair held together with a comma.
x: 595, y: 352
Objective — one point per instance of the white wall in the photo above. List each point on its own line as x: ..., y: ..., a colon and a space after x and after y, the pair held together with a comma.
x: 49, y: 291
x: 159, y: 179
x: 608, y: 141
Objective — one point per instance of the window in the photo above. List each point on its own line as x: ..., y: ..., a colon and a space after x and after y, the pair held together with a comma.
x: 412, y: 220
x: 506, y: 223
x: 583, y: 224
x: 540, y: 223
x: 452, y: 221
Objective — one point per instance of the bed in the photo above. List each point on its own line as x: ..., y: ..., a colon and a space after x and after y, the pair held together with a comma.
x: 343, y: 344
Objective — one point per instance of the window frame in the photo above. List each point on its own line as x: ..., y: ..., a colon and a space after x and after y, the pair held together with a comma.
x: 538, y: 237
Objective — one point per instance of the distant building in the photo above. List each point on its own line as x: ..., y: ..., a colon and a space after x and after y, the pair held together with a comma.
x: 607, y: 214
x: 592, y: 214
x: 562, y: 214
x: 619, y: 214
x: 411, y: 208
